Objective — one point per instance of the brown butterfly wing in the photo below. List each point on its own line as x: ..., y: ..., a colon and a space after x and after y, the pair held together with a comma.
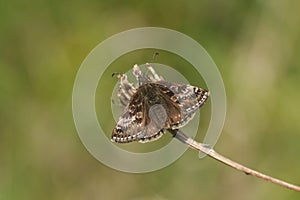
x: 156, y: 107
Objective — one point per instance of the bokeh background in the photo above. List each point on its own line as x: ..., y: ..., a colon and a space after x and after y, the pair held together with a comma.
x: 255, y: 44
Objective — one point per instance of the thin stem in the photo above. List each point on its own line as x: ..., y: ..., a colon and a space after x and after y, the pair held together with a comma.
x: 212, y: 153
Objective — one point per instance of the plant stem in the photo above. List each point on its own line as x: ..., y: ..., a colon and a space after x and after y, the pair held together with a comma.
x: 212, y: 153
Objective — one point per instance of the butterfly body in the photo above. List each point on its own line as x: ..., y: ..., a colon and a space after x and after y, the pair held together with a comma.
x: 154, y: 106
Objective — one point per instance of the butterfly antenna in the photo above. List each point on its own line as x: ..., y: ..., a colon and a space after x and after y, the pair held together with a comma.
x: 155, y: 55
x: 118, y: 74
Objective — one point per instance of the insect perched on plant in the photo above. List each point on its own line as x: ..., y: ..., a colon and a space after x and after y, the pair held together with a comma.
x: 154, y: 106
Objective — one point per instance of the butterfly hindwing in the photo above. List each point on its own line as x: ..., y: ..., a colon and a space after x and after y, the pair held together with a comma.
x: 188, y: 98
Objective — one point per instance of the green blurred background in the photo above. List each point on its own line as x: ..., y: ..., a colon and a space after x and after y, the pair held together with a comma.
x: 255, y: 44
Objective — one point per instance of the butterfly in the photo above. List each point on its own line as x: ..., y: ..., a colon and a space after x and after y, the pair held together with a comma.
x: 154, y: 106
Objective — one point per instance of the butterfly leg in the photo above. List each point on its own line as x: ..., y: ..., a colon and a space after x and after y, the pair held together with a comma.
x: 137, y: 73
x: 126, y: 89
x: 156, y: 77
x: 123, y: 97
